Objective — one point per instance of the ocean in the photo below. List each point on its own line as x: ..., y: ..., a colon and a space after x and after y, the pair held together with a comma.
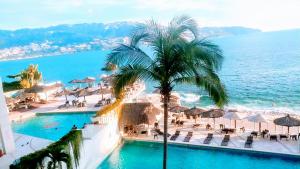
x: 261, y: 71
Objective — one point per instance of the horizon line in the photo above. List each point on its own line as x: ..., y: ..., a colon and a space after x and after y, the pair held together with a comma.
x: 131, y: 21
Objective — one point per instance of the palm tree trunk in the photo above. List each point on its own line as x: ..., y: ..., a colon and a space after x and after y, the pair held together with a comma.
x: 165, y: 131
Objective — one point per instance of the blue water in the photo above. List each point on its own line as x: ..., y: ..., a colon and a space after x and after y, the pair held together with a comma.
x: 52, y: 126
x: 63, y: 67
x: 260, y: 71
x: 139, y: 155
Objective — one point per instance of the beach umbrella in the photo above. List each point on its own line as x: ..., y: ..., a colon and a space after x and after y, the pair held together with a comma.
x: 233, y: 115
x: 178, y: 109
x: 74, y: 81
x: 138, y: 113
x: 104, y: 91
x: 83, y: 93
x: 213, y: 113
x: 43, y: 88
x: 89, y: 80
x: 258, y: 118
x: 287, y: 121
x: 67, y: 92
x: 194, y: 111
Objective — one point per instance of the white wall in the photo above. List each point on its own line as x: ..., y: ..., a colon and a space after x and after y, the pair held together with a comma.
x: 6, y: 136
x: 99, y: 141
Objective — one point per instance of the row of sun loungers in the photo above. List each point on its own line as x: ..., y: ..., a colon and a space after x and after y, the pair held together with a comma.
x: 186, y: 139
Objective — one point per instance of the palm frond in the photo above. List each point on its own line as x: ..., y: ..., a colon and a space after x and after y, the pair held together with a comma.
x: 128, y: 75
x: 212, y: 86
x: 183, y: 24
x: 125, y: 54
x: 209, y: 53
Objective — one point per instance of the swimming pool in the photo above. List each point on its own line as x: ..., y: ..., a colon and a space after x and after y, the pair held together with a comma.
x: 52, y: 126
x: 145, y: 155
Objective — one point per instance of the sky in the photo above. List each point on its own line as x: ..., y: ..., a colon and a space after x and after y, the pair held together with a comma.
x: 267, y: 15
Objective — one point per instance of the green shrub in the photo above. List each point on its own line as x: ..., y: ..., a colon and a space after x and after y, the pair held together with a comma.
x: 58, y: 153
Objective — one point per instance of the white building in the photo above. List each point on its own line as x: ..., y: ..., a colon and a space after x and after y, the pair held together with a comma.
x: 7, y: 144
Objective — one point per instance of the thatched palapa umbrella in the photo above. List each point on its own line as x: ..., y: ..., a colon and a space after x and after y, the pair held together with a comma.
x: 178, y: 109
x: 138, y: 113
x: 67, y: 92
x: 287, y: 121
x: 83, y: 93
x: 43, y: 88
x: 104, y: 91
x: 195, y: 112
x: 213, y: 113
x: 89, y: 80
x: 74, y: 81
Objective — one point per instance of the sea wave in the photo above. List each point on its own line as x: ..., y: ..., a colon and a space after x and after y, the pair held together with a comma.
x: 189, y: 97
x: 261, y: 110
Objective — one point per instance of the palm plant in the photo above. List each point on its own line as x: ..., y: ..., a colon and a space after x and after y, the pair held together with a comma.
x: 58, y: 158
x: 28, y: 77
x: 179, y: 57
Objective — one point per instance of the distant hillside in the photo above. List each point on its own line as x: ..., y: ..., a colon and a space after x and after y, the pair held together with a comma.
x: 222, y: 31
x: 65, y: 34
x: 62, y: 35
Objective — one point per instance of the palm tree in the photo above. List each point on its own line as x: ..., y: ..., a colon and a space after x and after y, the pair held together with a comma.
x: 28, y: 77
x: 57, y: 158
x: 178, y: 57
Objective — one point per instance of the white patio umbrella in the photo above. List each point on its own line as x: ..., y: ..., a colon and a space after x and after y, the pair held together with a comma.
x: 257, y: 118
x: 233, y: 115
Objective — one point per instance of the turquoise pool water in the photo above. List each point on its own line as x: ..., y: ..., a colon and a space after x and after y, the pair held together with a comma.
x: 142, y: 155
x: 52, y: 126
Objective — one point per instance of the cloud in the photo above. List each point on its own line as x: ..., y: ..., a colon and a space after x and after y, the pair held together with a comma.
x: 177, y: 5
x: 266, y: 14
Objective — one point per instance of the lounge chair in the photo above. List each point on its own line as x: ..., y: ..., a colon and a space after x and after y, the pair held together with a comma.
x: 161, y: 133
x: 66, y: 105
x: 208, y: 139
x: 188, y: 136
x: 225, y: 140
x: 249, y: 141
x: 174, y: 136
x: 273, y: 137
x: 281, y: 136
x: 99, y: 104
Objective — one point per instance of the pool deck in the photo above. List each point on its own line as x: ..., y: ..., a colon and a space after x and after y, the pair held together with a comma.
x: 24, y: 145
x: 237, y: 140
x: 53, y: 107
